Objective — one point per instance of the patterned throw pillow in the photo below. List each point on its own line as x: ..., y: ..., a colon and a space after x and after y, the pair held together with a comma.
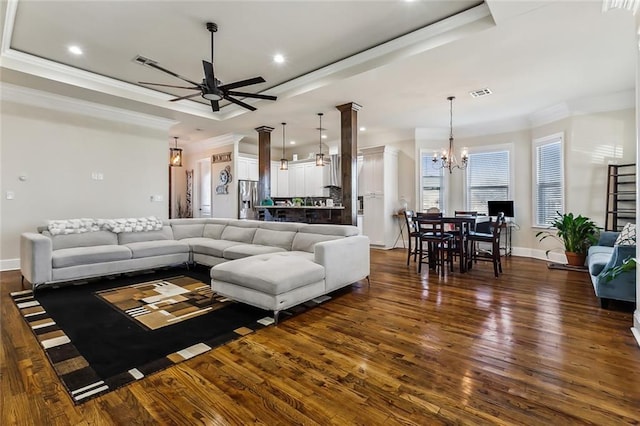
x: 627, y: 236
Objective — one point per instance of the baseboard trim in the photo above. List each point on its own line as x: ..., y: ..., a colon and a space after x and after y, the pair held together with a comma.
x: 9, y: 264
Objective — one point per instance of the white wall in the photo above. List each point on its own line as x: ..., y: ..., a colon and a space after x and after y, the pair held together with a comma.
x: 57, y: 152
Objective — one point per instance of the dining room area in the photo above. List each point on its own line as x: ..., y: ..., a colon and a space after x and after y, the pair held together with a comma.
x: 440, y: 244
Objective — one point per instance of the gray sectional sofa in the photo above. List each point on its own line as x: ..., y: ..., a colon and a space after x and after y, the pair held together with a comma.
x: 272, y: 265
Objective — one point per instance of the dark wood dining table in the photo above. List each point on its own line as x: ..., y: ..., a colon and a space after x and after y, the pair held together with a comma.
x: 459, y: 228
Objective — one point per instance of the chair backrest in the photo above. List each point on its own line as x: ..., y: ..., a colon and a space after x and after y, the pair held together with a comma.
x: 409, y: 215
x: 429, y: 215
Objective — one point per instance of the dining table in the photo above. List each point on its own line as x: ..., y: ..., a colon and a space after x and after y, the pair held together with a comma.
x: 459, y: 227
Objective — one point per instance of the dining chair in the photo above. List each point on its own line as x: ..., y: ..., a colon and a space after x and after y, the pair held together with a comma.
x: 438, y: 241
x: 493, y: 238
x: 413, y: 235
x: 462, y: 240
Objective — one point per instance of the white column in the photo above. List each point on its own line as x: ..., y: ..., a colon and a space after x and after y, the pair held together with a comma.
x: 636, y: 315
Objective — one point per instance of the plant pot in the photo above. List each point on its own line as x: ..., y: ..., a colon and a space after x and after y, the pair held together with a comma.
x: 575, y: 259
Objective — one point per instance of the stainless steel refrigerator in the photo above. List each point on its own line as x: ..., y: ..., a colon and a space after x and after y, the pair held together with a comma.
x: 247, y: 199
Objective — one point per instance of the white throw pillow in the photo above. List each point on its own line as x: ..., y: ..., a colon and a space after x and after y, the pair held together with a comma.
x: 627, y: 236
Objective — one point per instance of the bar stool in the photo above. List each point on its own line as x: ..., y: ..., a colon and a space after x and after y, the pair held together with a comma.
x: 493, y: 238
x: 439, y: 243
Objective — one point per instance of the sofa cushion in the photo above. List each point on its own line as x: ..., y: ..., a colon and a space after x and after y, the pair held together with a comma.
x: 85, y: 255
x: 627, y: 236
x: 338, y: 230
x: 210, y: 247
x: 245, y: 250
x: 273, y: 274
x: 240, y: 234
x: 134, y: 237
x: 157, y: 248
x: 213, y: 230
x: 304, y: 241
x: 187, y: 230
x: 86, y: 239
x: 267, y: 237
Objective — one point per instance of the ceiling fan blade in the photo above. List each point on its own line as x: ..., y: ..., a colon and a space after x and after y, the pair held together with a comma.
x: 159, y: 68
x: 209, y: 76
x: 215, y: 106
x: 242, y: 104
x: 169, y: 85
x: 184, y: 97
x: 252, y: 95
x: 242, y: 83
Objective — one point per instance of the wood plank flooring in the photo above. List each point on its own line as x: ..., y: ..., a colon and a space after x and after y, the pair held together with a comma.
x: 529, y: 348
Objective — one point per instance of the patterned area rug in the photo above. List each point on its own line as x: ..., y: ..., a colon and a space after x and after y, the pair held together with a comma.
x: 96, y: 347
x: 162, y: 303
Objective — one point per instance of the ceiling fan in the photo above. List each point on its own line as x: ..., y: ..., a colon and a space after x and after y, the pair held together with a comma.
x: 211, y: 88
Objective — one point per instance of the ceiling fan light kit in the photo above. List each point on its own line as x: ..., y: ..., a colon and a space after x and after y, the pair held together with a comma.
x: 211, y: 88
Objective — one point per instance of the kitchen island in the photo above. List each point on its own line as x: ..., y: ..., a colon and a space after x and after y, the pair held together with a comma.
x: 306, y: 214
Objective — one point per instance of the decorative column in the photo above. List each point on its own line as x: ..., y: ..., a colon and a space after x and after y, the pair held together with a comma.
x: 349, y: 159
x: 264, y: 162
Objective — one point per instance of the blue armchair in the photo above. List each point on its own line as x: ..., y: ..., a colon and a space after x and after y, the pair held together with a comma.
x: 604, y: 256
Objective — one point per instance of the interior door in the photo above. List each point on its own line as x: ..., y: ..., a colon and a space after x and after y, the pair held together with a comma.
x: 203, y: 189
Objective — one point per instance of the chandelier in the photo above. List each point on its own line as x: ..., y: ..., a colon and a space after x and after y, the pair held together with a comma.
x: 447, y: 159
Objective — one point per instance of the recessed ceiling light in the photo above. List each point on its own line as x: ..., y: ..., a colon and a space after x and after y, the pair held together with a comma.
x: 75, y: 50
x: 324, y: 136
x: 292, y: 142
x: 278, y: 58
x: 362, y: 129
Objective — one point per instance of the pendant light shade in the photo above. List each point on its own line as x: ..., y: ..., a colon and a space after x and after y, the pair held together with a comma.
x: 320, y: 155
x: 175, y: 155
x: 284, y: 163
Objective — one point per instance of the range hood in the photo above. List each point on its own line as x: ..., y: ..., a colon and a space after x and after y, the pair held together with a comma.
x: 334, y: 172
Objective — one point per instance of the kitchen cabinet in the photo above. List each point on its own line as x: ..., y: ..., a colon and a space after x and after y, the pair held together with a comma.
x: 305, y: 179
x: 247, y: 168
x: 378, y: 184
x: 279, y: 181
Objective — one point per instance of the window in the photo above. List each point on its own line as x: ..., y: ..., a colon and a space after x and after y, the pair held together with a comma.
x: 488, y: 178
x: 548, y: 183
x: 431, y: 184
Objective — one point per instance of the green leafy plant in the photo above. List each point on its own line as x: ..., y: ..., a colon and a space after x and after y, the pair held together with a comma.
x: 577, y: 233
x: 629, y: 264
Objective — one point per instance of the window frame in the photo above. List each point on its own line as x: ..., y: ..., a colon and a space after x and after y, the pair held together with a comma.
x: 535, y: 144
x: 424, y: 153
x: 505, y: 147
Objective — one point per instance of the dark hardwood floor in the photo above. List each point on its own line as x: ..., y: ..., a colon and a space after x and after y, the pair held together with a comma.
x: 531, y: 347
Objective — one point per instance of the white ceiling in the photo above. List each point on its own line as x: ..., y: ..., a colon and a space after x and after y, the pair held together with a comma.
x: 385, y: 55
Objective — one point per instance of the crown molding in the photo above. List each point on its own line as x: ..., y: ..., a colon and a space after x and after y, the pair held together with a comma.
x: 40, y: 99
x: 215, y: 142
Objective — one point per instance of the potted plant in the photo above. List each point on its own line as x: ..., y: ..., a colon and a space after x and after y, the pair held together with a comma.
x: 577, y: 233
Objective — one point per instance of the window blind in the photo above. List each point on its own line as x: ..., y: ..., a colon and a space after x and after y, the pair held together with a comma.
x: 549, y: 181
x: 431, y: 181
x: 488, y: 176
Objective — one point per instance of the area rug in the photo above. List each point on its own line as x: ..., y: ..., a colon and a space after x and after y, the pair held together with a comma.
x: 97, y: 338
x: 553, y: 265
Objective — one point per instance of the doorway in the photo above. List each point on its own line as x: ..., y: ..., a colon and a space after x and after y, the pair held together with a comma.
x: 203, y: 188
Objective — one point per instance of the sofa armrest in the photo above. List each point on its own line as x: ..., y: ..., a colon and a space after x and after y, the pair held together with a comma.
x: 619, y: 255
x: 608, y: 238
x: 35, y: 258
x: 345, y: 260
x: 623, y: 286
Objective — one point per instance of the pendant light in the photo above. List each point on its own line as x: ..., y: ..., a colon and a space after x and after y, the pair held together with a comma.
x: 284, y: 163
x: 320, y: 155
x: 175, y: 155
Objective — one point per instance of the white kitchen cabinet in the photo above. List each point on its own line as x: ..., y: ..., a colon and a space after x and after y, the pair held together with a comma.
x: 283, y: 182
x: 315, y: 180
x: 247, y: 168
x: 296, y: 180
x: 378, y: 185
x: 275, y: 191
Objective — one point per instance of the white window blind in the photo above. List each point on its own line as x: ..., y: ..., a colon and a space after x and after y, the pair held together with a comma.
x: 548, y: 191
x: 488, y: 179
x: 431, y: 184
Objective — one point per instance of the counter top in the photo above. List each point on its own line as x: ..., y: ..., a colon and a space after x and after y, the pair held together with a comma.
x: 302, y: 207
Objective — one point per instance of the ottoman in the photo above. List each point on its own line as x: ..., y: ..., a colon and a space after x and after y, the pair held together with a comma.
x: 273, y: 281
